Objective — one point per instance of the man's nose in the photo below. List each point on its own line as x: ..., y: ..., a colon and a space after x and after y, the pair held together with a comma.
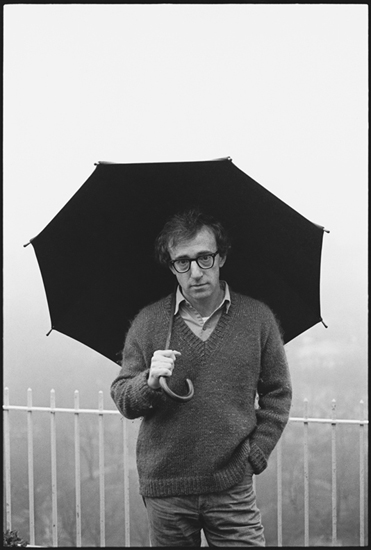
x: 196, y: 271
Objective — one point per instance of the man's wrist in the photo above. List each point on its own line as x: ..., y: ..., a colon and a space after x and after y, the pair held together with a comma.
x: 150, y: 384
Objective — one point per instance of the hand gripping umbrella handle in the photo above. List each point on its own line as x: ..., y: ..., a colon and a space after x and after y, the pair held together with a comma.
x: 162, y: 379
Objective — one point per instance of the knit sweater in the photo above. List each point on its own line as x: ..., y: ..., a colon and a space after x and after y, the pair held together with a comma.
x: 203, y: 445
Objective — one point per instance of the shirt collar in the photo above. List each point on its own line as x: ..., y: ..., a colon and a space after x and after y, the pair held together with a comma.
x: 179, y: 298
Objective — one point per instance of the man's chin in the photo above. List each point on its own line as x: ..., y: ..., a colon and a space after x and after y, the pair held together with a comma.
x: 200, y: 287
x: 200, y: 291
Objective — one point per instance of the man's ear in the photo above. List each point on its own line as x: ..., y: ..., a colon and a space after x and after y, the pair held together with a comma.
x: 222, y: 261
x: 173, y: 271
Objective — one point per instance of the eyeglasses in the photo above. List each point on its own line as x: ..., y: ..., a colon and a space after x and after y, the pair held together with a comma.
x: 206, y: 261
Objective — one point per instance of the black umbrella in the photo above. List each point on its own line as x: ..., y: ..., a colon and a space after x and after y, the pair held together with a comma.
x: 96, y: 255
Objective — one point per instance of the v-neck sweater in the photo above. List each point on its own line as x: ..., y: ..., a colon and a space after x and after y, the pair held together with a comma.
x: 201, y: 326
x: 203, y: 445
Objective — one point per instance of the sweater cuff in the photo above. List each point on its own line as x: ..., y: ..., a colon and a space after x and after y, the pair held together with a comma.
x: 149, y: 398
x: 257, y: 459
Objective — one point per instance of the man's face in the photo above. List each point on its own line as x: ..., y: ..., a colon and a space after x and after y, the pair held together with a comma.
x: 197, y: 283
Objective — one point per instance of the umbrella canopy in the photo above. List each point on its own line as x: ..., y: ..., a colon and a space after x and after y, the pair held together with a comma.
x: 96, y: 255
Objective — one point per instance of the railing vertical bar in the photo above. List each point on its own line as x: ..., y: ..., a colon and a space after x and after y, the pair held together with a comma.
x: 77, y: 470
x: 54, y: 469
x: 333, y: 474
x: 306, y: 476
x: 361, y: 478
x: 31, y: 485
x: 8, y: 497
x: 101, y: 473
x: 279, y: 492
x: 126, y: 481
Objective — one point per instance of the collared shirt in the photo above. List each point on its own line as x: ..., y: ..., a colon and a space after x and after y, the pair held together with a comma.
x: 201, y: 326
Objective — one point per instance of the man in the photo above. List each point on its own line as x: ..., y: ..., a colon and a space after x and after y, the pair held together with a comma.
x: 196, y: 459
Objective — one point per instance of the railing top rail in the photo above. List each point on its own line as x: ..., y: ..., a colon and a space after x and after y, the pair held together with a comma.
x: 329, y: 420
x: 78, y: 410
x: 100, y: 411
x: 60, y: 409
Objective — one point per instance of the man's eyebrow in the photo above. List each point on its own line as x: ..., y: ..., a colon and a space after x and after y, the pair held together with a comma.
x: 185, y: 257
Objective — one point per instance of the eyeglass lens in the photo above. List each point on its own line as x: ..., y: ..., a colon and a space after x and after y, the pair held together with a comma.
x: 205, y: 262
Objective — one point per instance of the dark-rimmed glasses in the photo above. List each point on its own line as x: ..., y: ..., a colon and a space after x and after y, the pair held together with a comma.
x: 204, y: 261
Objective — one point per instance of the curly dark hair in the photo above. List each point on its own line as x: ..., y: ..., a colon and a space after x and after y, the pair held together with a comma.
x: 183, y: 226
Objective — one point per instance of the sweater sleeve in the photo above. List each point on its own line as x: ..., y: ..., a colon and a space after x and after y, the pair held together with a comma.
x: 275, y: 396
x: 130, y: 391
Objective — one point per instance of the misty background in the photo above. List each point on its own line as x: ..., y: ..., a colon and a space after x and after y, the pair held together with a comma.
x: 281, y: 89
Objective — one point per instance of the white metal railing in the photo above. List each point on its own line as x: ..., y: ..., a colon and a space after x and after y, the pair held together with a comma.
x: 101, y: 412
x: 77, y: 411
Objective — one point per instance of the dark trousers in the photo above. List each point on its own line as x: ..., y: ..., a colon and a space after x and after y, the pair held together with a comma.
x: 228, y: 518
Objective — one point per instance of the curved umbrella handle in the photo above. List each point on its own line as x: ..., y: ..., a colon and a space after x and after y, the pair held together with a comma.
x: 165, y: 387
x: 162, y: 379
